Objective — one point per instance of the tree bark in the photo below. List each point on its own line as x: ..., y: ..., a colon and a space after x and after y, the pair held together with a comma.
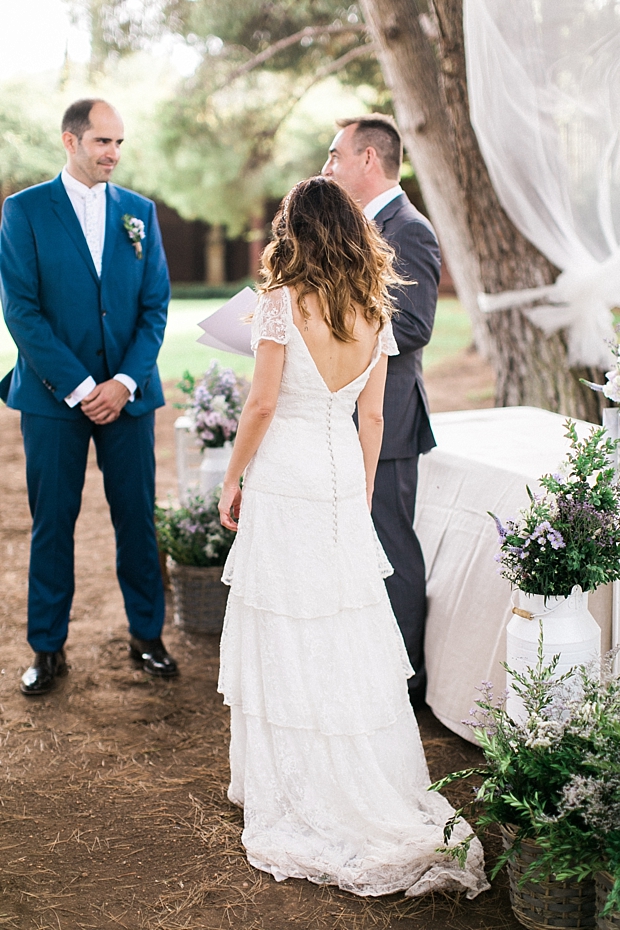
x: 485, y: 251
x: 256, y: 240
x: 216, y: 255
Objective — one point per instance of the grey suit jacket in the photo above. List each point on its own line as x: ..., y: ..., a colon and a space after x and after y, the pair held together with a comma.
x: 407, y: 431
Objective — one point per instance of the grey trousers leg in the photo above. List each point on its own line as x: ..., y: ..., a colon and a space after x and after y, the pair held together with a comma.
x: 393, y: 510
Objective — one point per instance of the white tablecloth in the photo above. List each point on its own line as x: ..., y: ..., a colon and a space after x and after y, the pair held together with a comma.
x: 483, y: 461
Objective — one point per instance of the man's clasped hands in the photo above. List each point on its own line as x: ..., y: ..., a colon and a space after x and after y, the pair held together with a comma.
x: 105, y: 402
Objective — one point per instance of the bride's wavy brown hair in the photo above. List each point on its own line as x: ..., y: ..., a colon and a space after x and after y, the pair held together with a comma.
x: 323, y: 243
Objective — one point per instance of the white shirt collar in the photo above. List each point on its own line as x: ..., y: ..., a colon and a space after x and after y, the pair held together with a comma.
x: 378, y: 203
x: 76, y: 187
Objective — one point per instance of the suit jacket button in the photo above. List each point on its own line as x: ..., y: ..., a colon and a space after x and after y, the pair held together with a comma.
x: 99, y: 352
x: 104, y: 312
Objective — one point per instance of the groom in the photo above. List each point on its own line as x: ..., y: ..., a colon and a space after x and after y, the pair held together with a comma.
x: 365, y: 158
x: 85, y: 299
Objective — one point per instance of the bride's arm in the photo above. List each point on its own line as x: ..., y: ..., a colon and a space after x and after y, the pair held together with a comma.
x: 255, y: 418
x: 370, y: 420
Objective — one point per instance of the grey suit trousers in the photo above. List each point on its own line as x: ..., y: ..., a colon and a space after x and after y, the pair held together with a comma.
x: 393, y: 510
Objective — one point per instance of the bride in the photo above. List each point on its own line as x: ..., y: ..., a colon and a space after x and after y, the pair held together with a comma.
x: 325, y: 754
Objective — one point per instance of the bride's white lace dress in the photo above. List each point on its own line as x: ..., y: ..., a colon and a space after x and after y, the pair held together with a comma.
x: 325, y: 755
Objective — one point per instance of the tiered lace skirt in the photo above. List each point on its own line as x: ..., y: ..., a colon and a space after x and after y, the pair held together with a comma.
x: 325, y: 755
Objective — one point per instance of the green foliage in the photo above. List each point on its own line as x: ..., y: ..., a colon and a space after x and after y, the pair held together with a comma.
x: 117, y: 27
x: 231, y: 30
x: 555, y: 775
x: 193, y: 535
x: 227, y: 148
x: 30, y: 147
x: 225, y: 141
x: 569, y: 535
x: 31, y: 150
x: 216, y: 146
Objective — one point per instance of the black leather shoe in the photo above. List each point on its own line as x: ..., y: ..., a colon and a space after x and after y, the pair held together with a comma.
x: 40, y: 677
x: 151, y: 654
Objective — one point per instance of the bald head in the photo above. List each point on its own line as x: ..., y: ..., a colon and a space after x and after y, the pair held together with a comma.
x: 76, y: 118
x: 92, y: 133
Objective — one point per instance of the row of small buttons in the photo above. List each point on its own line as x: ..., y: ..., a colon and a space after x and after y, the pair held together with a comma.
x: 333, y: 469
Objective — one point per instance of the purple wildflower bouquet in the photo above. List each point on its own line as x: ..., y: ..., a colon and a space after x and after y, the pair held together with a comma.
x: 215, y: 404
x: 570, y: 534
x: 193, y: 535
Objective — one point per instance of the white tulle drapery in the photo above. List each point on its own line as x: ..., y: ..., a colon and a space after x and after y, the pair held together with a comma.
x: 544, y: 92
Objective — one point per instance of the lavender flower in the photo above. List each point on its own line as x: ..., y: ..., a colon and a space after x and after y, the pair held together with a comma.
x: 555, y: 776
x: 502, y: 532
x: 193, y: 535
x: 215, y: 405
x: 569, y: 534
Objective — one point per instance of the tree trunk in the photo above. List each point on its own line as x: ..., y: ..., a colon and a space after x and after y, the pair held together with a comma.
x: 256, y: 240
x: 485, y: 251
x: 216, y: 255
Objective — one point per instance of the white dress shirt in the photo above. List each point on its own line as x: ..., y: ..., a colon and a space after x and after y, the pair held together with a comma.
x: 89, y: 204
x: 378, y: 203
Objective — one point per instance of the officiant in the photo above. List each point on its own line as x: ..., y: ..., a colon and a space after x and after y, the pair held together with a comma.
x: 85, y: 292
x: 365, y: 158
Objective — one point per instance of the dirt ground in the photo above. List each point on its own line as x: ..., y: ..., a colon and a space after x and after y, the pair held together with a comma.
x: 113, y: 809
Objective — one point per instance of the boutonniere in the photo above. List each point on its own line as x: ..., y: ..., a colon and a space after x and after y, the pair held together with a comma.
x: 135, y: 231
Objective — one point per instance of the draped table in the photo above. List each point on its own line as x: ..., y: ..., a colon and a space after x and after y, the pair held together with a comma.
x: 483, y: 461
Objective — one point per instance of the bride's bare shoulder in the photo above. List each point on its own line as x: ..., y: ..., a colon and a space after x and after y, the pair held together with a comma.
x: 364, y: 329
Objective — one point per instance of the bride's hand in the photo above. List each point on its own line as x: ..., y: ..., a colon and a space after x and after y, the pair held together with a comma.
x: 230, y: 506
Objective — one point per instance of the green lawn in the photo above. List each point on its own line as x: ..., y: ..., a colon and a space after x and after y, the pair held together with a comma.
x: 451, y: 332
x: 180, y: 350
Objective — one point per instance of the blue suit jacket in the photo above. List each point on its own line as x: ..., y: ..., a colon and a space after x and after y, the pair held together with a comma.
x: 67, y: 323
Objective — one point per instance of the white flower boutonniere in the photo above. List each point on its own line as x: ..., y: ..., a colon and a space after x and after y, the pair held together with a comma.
x: 135, y: 231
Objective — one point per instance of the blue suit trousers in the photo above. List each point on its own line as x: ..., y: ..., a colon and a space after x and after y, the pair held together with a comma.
x: 56, y: 456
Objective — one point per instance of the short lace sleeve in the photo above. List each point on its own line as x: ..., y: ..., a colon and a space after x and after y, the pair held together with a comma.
x: 387, y: 342
x: 272, y: 318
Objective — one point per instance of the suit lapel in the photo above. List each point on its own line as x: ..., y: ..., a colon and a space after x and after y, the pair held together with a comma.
x: 113, y: 223
x: 389, y: 211
x: 63, y: 209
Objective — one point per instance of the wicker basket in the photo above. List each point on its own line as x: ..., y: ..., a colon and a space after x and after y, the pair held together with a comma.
x: 199, y: 597
x: 603, y: 882
x: 548, y: 903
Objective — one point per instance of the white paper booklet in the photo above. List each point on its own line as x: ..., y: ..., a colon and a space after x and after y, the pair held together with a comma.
x: 225, y: 329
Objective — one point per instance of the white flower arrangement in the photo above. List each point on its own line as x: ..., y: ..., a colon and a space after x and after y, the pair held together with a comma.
x: 611, y: 389
x: 135, y: 231
x: 214, y: 405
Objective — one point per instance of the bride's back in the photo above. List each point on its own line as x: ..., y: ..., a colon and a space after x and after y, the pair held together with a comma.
x: 338, y: 363
x: 333, y: 259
